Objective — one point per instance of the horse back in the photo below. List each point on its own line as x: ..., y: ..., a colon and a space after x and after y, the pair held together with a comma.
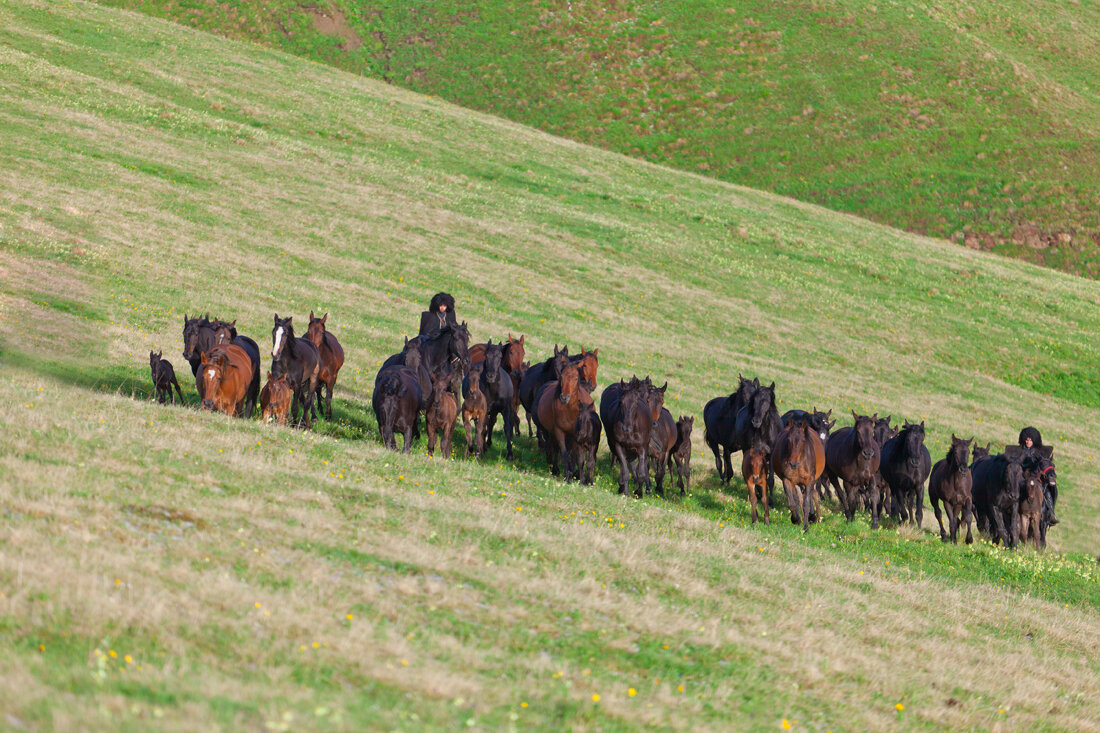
x: 331, y: 347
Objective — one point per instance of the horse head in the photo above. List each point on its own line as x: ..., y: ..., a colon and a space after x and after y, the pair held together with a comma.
x: 883, y: 430
x: 957, y: 453
x: 514, y: 353
x: 822, y: 424
x: 761, y: 404
x: 568, y: 382
x: 316, y: 330
x: 212, y: 370
x: 656, y: 398
x: 411, y: 354
x: 864, y: 433
x: 224, y: 332
x: 192, y: 328
x: 913, y: 438
x: 281, y: 335
x: 459, y: 345
x: 494, y: 354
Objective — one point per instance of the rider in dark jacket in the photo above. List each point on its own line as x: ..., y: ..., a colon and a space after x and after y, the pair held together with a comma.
x: 440, y: 314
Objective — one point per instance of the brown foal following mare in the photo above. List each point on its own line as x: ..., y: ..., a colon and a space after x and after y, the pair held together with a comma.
x: 474, y: 410
x: 442, y: 413
x: 275, y: 399
x: 754, y: 468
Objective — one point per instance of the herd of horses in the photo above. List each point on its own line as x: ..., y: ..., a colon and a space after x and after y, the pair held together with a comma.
x: 442, y: 377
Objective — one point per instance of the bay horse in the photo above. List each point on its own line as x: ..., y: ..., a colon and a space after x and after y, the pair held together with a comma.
x: 950, y: 482
x: 627, y: 417
x: 1042, y: 459
x: 226, y: 374
x: 396, y: 402
x: 904, y: 466
x: 299, y: 360
x: 275, y: 399
x: 442, y: 413
x: 537, y: 375
x: 497, y: 387
x: 662, y: 439
x: 164, y: 377
x: 798, y: 458
x: 681, y: 453
x: 586, y: 441
x: 557, y: 407
x: 998, y: 489
x: 332, y: 358
x: 225, y: 332
x: 474, y: 411
x: 820, y: 422
x: 853, y: 456
x: 1032, y: 526
x: 754, y: 469
x: 757, y: 425
x: 719, y: 420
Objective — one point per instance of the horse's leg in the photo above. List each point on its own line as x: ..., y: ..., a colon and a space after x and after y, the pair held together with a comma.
x: 1014, y: 528
x: 407, y: 448
x: 807, y: 506
x: 620, y: 453
x: 662, y: 462
x: 767, y: 502
x: 508, y: 428
x: 528, y: 414
x: 952, y: 522
x: 968, y: 515
x: 752, y: 499
x: 876, y: 502
x: 939, y: 515
x: 713, y: 444
x: 431, y: 440
x: 328, y: 397
x: 728, y: 474
x: 469, y: 435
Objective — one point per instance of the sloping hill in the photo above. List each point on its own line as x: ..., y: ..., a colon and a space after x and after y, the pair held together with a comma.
x: 975, y: 122
x: 168, y: 568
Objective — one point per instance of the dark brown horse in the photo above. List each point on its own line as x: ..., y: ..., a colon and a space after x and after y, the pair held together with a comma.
x: 754, y: 469
x: 275, y: 399
x: 853, y: 456
x: 586, y: 441
x: 332, y: 358
x: 396, y: 402
x: 198, y: 338
x: 681, y: 452
x: 164, y: 378
x: 227, y: 371
x: 904, y: 469
x: 627, y: 416
x: 998, y: 489
x: 950, y: 483
x: 298, y: 359
x: 662, y: 439
x: 556, y: 407
x: 497, y: 387
x: 442, y: 412
x: 798, y: 458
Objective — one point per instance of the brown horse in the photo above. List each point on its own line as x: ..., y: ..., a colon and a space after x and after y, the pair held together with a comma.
x: 950, y: 483
x: 1031, y: 508
x: 227, y: 372
x: 662, y: 439
x: 275, y: 399
x: 474, y: 410
x: 556, y: 409
x: 588, y: 363
x: 442, y: 412
x: 754, y: 468
x: 332, y: 358
x: 586, y: 440
x: 798, y: 458
x: 511, y: 361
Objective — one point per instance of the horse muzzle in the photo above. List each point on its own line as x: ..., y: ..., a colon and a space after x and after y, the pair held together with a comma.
x: 208, y: 404
x: 913, y: 461
x: 757, y: 423
x: 565, y: 398
x: 867, y: 453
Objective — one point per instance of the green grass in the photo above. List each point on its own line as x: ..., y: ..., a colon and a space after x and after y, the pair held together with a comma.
x: 259, y: 577
x: 956, y: 122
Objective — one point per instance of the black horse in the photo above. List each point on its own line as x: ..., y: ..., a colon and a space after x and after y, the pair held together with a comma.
x: 300, y: 361
x: 411, y: 356
x: 198, y: 338
x: 998, y: 490
x: 627, y: 419
x: 496, y: 385
x: 719, y: 421
x: 396, y: 402
x: 757, y: 426
x: 905, y: 466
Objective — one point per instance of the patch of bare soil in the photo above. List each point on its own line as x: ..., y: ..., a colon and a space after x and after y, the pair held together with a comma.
x: 334, y: 23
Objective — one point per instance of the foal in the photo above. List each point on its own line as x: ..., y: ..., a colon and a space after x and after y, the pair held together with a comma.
x: 442, y: 412
x: 754, y: 467
x: 164, y: 377
x: 475, y: 409
x: 681, y: 453
x: 275, y: 399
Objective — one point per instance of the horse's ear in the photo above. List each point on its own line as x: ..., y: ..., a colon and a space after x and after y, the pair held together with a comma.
x: 233, y: 324
x: 854, y: 415
x: 596, y: 352
x: 202, y: 358
x: 662, y: 389
x: 522, y: 338
x: 311, y: 315
x: 276, y: 317
x: 324, y: 318
x: 772, y: 387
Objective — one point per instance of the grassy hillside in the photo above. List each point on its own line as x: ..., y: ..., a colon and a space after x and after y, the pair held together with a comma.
x: 971, y: 122
x: 174, y: 569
